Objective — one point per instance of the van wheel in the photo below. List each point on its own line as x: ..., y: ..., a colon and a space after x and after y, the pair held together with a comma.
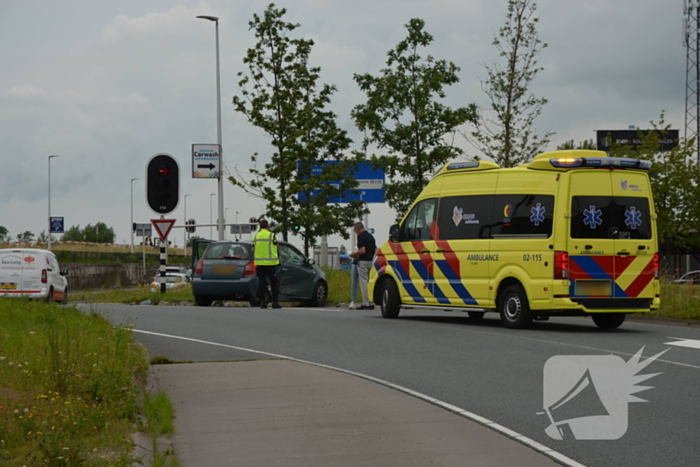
x: 65, y: 296
x: 514, y: 307
x: 320, y: 294
x: 476, y: 315
x: 391, y: 303
x: 609, y: 320
x: 202, y: 300
x: 49, y: 297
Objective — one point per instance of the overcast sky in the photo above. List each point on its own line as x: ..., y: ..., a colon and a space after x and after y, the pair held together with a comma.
x: 108, y: 84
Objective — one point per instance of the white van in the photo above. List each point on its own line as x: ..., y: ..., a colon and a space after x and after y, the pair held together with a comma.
x: 27, y: 272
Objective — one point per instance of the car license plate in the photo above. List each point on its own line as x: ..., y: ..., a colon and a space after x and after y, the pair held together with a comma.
x: 8, y: 286
x: 224, y: 269
x: 594, y: 288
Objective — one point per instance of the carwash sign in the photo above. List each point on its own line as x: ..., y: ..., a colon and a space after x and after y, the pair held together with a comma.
x: 205, y: 160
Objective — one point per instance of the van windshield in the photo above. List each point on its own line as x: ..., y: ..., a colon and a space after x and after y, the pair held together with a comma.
x: 620, y: 217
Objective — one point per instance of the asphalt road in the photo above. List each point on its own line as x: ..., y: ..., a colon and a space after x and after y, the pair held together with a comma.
x: 479, y: 366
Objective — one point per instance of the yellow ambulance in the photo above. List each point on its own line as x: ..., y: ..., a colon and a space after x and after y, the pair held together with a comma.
x: 570, y: 233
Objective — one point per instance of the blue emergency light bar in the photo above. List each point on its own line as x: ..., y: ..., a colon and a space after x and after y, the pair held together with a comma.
x: 600, y: 162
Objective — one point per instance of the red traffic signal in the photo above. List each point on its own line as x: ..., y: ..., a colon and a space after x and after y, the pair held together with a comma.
x: 162, y: 183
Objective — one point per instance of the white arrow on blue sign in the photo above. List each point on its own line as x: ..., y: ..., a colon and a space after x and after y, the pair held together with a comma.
x: 370, y: 187
x: 56, y: 225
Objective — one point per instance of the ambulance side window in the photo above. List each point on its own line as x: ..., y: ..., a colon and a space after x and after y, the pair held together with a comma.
x: 418, y: 225
x: 526, y: 215
x: 465, y: 217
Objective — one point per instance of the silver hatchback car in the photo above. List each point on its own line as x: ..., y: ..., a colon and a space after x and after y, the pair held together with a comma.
x: 225, y: 271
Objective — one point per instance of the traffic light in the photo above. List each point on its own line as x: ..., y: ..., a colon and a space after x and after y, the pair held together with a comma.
x: 162, y: 183
x: 295, y: 228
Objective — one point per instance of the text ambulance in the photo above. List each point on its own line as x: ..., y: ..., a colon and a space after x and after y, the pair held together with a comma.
x: 570, y: 233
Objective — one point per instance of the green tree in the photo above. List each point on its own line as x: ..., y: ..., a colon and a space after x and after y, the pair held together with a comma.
x: 674, y: 178
x: 43, y: 238
x: 98, y: 233
x: 25, y: 237
x: 4, y: 234
x: 405, y: 118
x: 587, y: 144
x: 505, y: 133
x: 74, y: 234
x: 280, y: 95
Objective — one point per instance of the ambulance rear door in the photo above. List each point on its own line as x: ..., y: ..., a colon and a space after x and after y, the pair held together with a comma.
x: 635, y: 240
x: 591, y: 241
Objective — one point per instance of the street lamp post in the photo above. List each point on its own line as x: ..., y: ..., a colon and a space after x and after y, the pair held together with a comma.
x: 49, y: 231
x: 211, y: 219
x: 220, y: 221
x: 184, y: 237
x: 131, y: 226
x: 226, y: 217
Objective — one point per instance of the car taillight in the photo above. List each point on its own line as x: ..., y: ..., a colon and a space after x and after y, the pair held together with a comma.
x: 44, y: 276
x: 200, y: 266
x: 561, y: 265
x: 656, y: 265
x: 249, y: 269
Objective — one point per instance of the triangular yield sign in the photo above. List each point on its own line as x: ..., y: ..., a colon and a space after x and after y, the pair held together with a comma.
x: 163, y: 227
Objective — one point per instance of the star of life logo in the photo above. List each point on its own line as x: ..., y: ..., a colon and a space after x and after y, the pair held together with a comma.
x: 633, y: 218
x: 457, y: 216
x: 592, y: 217
x: 586, y: 397
x: 537, y: 212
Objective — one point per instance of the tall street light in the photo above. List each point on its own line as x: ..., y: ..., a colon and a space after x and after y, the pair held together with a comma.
x: 185, y: 223
x: 50, y: 157
x: 211, y: 219
x: 131, y: 226
x: 220, y: 221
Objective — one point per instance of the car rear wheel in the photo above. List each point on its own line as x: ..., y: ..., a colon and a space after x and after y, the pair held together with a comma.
x: 514, y: 307
x: 391, y: 302
x: 203, y: 300
x: 320, y: 294
x: 254, y: 301
x: 609, y: 320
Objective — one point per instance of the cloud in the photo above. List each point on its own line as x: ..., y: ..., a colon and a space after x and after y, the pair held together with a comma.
x: 25, y: 90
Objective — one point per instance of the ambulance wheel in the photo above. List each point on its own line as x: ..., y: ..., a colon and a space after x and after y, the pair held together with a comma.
x: 391, y: 303
x: 203, y: 300
x: 476, y: 315
x: 514, y: 308
x: 608, y: 320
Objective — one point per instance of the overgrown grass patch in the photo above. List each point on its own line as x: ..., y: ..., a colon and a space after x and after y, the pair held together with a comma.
x: 338, y: 285
x: 70, y: 387
x: 679, y: 301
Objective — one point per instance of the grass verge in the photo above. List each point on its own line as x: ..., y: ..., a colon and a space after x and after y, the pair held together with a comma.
x: 71, y: 387
x: 160, y: 420
x: 338, y: 285
x: 133, y: 296
x: 680, y: 301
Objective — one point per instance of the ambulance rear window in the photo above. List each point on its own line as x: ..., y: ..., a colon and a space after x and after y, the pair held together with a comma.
x: 618, y: 217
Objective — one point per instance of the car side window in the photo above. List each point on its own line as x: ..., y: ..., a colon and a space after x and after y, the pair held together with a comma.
x: 289, y: 255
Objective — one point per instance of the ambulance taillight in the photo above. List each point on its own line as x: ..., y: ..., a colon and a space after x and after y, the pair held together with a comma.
x: 656, y: 265
x: 561, y: 265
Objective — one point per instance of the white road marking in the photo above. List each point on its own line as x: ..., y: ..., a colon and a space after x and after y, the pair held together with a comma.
x: 559, y: 457
x: 682, y: 342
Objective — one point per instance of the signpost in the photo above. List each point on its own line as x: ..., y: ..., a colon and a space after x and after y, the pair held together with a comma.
x: 205, y: 161
x: 607, y: 138
x: 163, y: 227
x: 370, y: 188
x: 56, y: 225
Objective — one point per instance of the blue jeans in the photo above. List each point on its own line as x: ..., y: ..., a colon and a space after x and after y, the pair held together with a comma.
x: 353, y: 283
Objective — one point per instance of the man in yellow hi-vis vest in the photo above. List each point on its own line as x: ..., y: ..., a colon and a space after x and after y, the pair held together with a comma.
x: 266, y: 262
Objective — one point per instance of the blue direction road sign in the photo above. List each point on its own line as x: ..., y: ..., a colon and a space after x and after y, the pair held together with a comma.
x: 56, y: 225
x: 370, y: 187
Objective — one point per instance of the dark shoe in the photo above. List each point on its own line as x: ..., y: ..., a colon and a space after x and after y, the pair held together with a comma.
x: 262, y: 307
x: 366, y: 307
x: 276, y: 305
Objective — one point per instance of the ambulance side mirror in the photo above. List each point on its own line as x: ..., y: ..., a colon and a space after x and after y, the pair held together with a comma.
x: 394, y: 233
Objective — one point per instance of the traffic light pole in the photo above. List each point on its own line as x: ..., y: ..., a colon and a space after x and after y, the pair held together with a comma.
x: 163, y: 262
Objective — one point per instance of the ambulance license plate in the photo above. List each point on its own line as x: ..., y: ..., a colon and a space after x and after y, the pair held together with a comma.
x: 593, y: 288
